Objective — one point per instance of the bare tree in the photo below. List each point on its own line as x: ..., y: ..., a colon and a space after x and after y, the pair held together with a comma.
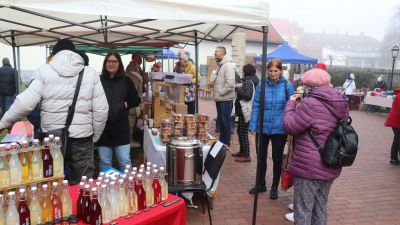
x: 392, y: 37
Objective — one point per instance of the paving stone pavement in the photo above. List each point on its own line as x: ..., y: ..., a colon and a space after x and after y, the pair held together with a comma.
x: 366, y: 193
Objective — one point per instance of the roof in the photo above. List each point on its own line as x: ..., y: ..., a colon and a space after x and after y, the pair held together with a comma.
x: 312, y: 44
x: 273, y: 35
x: 127, y: 22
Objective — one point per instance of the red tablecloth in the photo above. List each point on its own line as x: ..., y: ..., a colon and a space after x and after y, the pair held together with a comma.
x: 174, y: 214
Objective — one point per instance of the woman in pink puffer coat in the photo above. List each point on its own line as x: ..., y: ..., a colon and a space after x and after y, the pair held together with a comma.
x: 313, y: 179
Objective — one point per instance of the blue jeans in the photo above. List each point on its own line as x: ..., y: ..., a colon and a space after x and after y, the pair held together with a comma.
x: 218, y: 122
x: 5, y: 103
x: 122, y: 152
x: 224, y: 110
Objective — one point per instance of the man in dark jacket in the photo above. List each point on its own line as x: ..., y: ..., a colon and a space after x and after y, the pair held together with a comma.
x: 8, y: 87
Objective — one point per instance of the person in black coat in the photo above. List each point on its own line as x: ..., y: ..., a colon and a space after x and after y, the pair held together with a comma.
x: 8, y: 85
x: 121, y: 96
x: 244, y: 91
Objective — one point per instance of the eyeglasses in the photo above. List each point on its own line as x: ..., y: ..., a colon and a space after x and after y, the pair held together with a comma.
x: 112, y: 61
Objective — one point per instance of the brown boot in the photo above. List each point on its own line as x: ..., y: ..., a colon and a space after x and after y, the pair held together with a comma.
x: 237, y: 154
x: 243, y: 159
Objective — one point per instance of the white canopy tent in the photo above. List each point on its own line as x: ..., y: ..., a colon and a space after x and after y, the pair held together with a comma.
x: 126, y: 22
x: 159, y: 23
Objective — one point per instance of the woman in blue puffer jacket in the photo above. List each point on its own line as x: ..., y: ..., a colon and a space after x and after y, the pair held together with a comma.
x: 277, y: 92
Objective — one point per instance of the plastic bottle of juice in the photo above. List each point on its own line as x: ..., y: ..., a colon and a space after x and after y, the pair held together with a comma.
x: 66, y: 200
x: 56, y: 202
x: 105, y: 204
x: 113, y: 201
x: 45, y: 203
x: 36, y: 161
x: 34, y: 207
x: 148, y: 180
x: 123, y: 201
x: 26, y: 172
x: 23, y: 209
x: 164, y: 184
x: 12, y: 217
x: 86, y: 203
x: 48, y: 167
x: 95, y: 209
x: 58, y: 159
x: 156, y: 187
x: 131, y: 195
x: 4, y: 167
x: 79, y: 203
x: 141, y: 193
x: 15, y: 165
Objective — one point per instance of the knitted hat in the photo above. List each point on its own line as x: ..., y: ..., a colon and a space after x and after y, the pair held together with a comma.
x: 321, y: 66
x: 184, y: 57
x: 63, y: 44
x: 316, y: 78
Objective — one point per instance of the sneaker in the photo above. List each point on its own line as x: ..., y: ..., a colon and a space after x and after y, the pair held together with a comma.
x: 237, y: 154
x: 395, y: 162
x: 273, y: 194
x: 243, y: 159
x: 291, y: 207
x: 290, y: 216
x: 252, y: 191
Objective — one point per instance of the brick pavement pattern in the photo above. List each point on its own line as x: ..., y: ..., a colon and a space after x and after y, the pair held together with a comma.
x: 366, y: 193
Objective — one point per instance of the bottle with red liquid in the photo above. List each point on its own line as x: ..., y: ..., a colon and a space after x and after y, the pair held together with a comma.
x: 86, y: 204
x: 141, y: 194
x: 95, y: 209
x: 47, y: 159
x: 79, y: 202
x: 23, y: 209
x: 156, y: 187
x: 56, y: 202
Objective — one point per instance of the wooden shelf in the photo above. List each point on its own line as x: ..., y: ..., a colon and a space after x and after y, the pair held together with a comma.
x: 9, y: 187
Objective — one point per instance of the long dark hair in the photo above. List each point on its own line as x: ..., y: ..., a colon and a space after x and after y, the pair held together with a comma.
x: 120, y: 71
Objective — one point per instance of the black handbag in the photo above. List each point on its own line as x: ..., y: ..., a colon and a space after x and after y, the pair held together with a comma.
x: 63, y: 133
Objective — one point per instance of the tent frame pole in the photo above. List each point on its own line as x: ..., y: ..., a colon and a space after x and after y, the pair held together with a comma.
x: 260, y: 116
x: 196, y: 53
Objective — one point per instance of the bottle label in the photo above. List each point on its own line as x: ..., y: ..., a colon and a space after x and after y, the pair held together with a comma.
x: 57, y: 213
x: 26, y: 222
x: 49, y: 171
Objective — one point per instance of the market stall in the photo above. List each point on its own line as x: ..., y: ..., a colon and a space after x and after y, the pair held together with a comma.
x: 378, y: 101
x: 173, y: 214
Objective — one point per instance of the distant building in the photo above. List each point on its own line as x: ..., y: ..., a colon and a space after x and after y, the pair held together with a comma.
x: 341, y: 49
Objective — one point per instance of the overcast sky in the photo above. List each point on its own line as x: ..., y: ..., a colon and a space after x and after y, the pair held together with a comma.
x: 368, y: 16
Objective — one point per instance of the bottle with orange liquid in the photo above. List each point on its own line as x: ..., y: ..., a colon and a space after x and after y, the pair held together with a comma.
x: 148, y: 180
x: 56, y: 203
x: 25, y: 170
x: 46, y: 205
x: 4, y: 167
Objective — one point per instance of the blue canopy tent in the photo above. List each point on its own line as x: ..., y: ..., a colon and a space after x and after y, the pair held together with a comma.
x: 167, y: 54
x: 288, y: 55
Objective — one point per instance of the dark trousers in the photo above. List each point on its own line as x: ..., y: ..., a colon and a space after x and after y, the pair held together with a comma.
x: 5, y: 103
x: 394, y: 153
x: 80, y: 159
x: 278, y: 146
x: 224, y: 110
x: 243, y: 133
x: 191, y: 107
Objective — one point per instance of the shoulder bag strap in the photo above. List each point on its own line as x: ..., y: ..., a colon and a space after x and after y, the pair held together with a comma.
x: 71, y: 109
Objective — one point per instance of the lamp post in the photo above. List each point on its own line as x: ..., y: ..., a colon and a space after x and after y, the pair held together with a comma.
x: 395, y: 53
